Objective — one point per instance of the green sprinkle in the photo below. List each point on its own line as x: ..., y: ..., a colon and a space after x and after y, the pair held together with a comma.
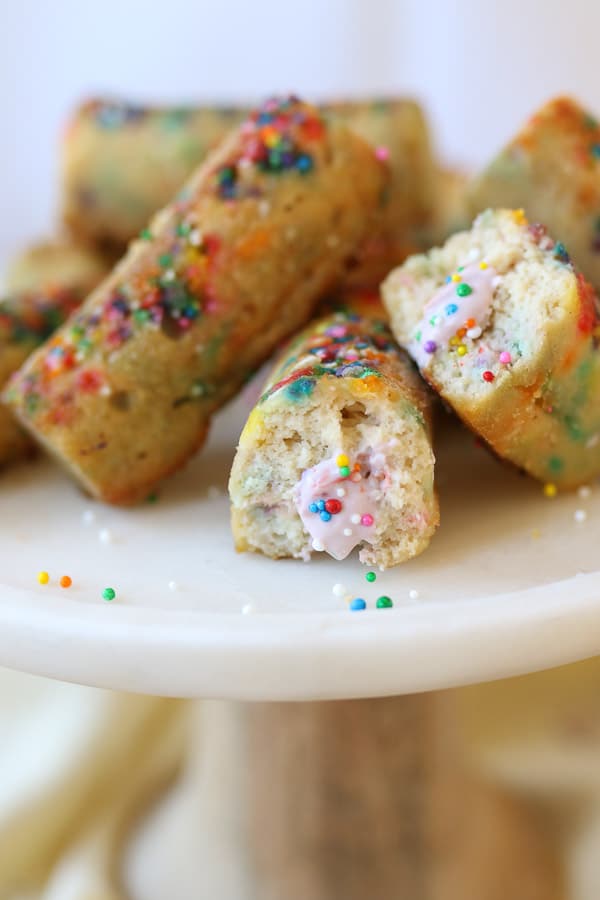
x: 371, y: 576
x: 152, y: 498
x: 418, y: 336
x: 146, y: 234
x: 384, y: 603
x: 165, y: 260
x: 344, y: 471
x: 183, y: 229
x: 555, y: 463
x: 463, y: 290
x: 109, y: 594
x: 460, y: 269
x: 141, y: 315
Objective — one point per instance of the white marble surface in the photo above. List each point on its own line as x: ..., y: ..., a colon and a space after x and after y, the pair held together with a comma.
x: 510, y: 584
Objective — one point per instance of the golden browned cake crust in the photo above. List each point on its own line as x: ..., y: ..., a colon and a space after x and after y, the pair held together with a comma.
x: 123, y: 162
x: 551, y: 169
x: 44, y: 285
x: 337, y: 452
x: 123, y: 394
x: 505, y: 328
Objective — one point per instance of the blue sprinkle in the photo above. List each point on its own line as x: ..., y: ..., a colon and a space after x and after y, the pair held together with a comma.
x: 451, y: 309
x: 313, y: 508
x: 448, y: 279
x: 357, y: 603
x: 325, y: 516
x: 321, y: 504
x: 595, y: 149
x: 301, y: 388
x: 304, y: 163
x: 560, y: 252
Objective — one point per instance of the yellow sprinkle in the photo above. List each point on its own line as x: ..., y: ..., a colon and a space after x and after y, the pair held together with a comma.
x: 483, y: 265
x: 454, y: 341
x: 461, y: 350
x: 342, y: 460
x: 456, y: 277
x: 43, y: 577
x: 254, y: 425
x: 550, y: 490
x: 519, y: 216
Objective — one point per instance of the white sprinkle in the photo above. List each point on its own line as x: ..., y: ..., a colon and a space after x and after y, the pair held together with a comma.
x: 341, y: 492
x: 173, y: 586
x: 413, y: 595
x: 317, y: 545
x: 355, y: 519
x: 105, y: 536
x: 347, y: 532
x: 264, y: 208
x: 585, y: 492
x: 332, y: 240
x: 169, y: 275
x: 248, y: 609
x: 580, y: 515
x: 382, y: 568
x: 339, y: 590
x: 88, y: 516
x: 593, y: 441
x: 195, y: 237
x: 473, y: 254
x: 213, y: 493
x: 474, y: 332
x: 105, y: 390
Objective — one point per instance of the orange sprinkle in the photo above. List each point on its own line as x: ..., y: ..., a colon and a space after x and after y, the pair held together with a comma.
x: 65, y: 581
x: 254, y: 243
x: 470, y: 323
x: 461, y: 332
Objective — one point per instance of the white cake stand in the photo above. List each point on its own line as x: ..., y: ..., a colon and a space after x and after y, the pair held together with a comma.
x: 510, y: 584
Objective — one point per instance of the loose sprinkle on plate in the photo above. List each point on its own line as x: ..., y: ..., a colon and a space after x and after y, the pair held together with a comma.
x: 357, y: 604
x: 105, y: 536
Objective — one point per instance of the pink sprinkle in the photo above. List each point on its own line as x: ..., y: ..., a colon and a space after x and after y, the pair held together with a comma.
x: 505, y: 357
x: 337, y: 331
x: 367, y: 520
x: 382, y: 153
x: 356, y: 476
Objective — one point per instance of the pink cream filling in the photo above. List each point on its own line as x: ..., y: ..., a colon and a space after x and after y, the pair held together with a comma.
x: 353, y: 512
x: 441, y: 320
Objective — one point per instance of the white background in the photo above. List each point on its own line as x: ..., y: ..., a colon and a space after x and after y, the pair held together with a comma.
x: 479, y: 66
